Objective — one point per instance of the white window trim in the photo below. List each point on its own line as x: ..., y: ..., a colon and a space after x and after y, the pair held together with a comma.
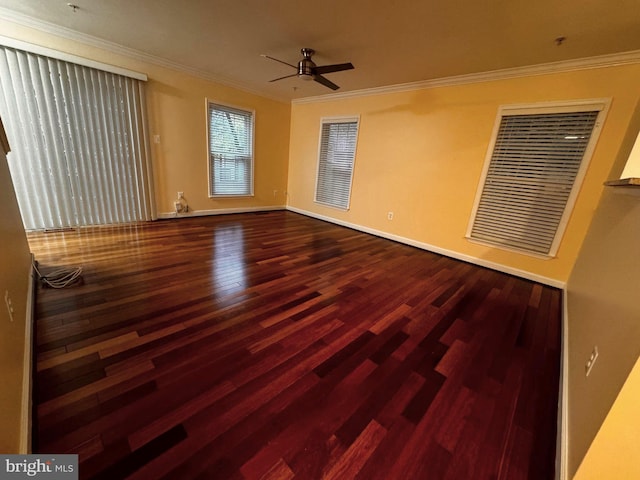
x: 600, y: 104
x: 209, y: 101
x: 339, y: 119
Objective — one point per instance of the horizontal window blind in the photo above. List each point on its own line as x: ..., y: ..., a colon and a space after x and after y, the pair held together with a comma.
x: 531, y: 174
x: 79, y: 142
x: 230, y: 151
x: 335, y: 163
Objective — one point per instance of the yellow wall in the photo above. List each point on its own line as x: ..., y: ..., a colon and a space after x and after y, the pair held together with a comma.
x: 613, y: 454
x: 177, y: 112
x: 420, y: 155
x: 603, y: 311
x: 15, y: 260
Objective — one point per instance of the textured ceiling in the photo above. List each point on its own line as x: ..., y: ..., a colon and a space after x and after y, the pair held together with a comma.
x: 390, y: 42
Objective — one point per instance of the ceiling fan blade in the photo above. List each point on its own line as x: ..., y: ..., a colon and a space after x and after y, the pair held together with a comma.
x: 325, y: 82
x: 338, y: 67
x: 276, y: 60
x: 282, y: 78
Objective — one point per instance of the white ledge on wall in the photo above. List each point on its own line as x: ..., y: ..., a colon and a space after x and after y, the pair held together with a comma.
x: 625, y: 186
x: 624, y: 182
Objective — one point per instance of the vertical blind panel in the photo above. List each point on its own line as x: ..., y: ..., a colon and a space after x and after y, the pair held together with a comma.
x: 230, y: 151
x: 335, y: 165
x: 79, y: 142
x: 531, y: 174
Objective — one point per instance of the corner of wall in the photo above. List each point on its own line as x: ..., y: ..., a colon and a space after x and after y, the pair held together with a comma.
x: 26, y: 414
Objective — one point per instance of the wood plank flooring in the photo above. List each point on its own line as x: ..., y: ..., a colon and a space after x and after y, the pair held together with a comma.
x: 275, y: 346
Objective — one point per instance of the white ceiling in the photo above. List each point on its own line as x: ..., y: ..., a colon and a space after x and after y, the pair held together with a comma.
x: 389, y: 42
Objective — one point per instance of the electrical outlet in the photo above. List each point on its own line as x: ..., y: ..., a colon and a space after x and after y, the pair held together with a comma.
x: 180, y: 195
x: 156, y: 139
x: 389, y: 215
x: 7, y: 301
x: 591, y: 361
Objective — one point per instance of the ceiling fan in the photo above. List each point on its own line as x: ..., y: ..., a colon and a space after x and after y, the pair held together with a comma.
x: 308, y: 70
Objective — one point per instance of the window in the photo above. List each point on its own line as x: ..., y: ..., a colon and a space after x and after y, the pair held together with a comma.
x: 79, y: 142
x: 532, y: 174
x: 335, y: 163
x: 230, y: 151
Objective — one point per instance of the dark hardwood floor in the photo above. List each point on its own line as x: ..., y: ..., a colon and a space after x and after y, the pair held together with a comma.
x: 277, y: 346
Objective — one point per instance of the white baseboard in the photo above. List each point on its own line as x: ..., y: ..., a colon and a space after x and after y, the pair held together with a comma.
x: 552, y: 282
x: 562, y: 439
x: 27, y: 387
x: 219, y: 211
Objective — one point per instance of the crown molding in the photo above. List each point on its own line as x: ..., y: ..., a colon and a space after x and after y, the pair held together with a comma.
x: 112, y: 47
x: 601, y: 61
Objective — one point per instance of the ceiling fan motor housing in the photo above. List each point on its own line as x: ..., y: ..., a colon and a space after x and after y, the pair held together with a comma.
x: 306, y: 65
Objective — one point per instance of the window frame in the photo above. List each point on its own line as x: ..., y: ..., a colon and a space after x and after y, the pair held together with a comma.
x: 336, y: 120
x: 601, y: 105
x: 208, y: 103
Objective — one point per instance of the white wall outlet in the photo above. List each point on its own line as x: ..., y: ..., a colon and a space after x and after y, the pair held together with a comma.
x: 180, y: 195
x: 591, y: 361
x: 7, y: 301
x: 156, y: 139
x: 389, y: 215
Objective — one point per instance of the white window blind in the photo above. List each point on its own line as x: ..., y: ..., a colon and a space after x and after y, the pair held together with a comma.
x: 531, y: 178
x: 79, y: 142
x: 230, y: 151
x: 335, y: 163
